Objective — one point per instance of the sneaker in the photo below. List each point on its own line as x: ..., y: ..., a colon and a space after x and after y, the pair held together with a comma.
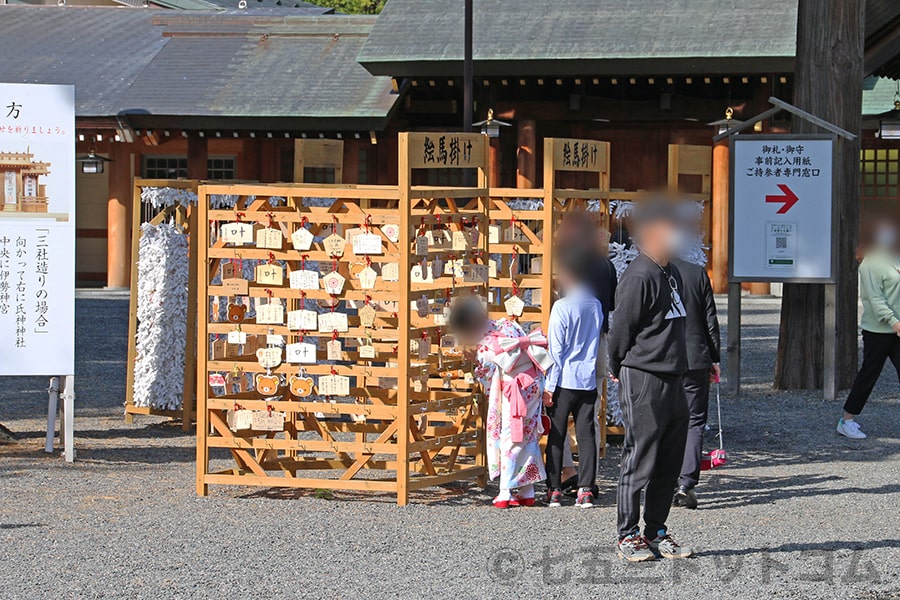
x: 554, y: 498
x: 585, y: 498
x: 850, y: 429
x: 666, y: 547
x: 573, y: 491
x: 685, y: 498
x: 634, y: 548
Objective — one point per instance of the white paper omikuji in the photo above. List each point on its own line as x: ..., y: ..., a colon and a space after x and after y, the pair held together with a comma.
x: 164, y: 197
x: 162, y: 316
x: 318, y: 202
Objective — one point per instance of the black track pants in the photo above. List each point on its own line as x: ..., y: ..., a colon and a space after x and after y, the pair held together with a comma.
x: 580, y: 404
x: 656, y: 423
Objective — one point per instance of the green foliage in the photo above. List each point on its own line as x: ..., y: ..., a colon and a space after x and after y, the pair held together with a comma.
x: 356, y: 7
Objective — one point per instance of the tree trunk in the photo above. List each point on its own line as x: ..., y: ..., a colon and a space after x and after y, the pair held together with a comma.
x: 828, y: 84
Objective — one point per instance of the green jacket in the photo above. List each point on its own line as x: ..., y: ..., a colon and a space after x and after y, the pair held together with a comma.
x: 879, y: 289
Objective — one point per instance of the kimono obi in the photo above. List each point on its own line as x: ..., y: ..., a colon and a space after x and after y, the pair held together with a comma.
x: 516, y: 355
x: 521, y: 360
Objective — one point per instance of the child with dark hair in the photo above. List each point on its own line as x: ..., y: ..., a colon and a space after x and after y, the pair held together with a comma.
x: 510, y: 366
x: 576, y: 321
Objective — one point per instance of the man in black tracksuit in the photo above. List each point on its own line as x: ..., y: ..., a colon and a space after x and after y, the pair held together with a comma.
x: 648, y: 357
x: 703, y: 351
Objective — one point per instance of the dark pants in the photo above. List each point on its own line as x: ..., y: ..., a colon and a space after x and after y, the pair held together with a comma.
x: 656, y: 422
x: 579, y: 404
x: 696, y: 388
x: 877, y: 348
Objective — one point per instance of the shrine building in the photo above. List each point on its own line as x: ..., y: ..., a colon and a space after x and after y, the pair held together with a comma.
x: 227, y: 94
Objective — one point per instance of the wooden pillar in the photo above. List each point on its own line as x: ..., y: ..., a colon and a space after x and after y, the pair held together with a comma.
x: 761, y: 93
x: 389, y: 154
x: 720, y: 200
x: 526, y: 155
x: 350, y: 170
x: 268, y: 165
x: 760, y: 288
x: 494, y: 163
x: 248, y: 166
x: 118, y: 224
x: 198, y: 157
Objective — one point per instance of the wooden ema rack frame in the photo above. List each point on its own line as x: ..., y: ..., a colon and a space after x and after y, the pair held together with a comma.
x: 420, y: 434
x: 188, y: 220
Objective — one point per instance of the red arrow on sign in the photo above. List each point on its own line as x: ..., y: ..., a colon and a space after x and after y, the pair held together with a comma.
x: 788, y: 199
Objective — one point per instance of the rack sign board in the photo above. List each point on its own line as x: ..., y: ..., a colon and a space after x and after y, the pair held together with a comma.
x: 37, y: 229
x: 781, y: 209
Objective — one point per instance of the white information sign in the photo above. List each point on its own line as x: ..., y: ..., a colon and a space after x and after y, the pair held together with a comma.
x: 781, y: 209
x: 37, y: 229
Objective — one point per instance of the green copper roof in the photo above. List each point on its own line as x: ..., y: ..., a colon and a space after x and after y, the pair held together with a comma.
x: 878, y: 95
x: 200, y: 66
x: 417, y: 37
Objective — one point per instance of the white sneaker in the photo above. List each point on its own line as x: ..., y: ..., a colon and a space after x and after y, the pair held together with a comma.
x: 850, y: 429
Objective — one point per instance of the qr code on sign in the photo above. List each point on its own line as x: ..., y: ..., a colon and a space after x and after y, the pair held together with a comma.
x: 781, y: 242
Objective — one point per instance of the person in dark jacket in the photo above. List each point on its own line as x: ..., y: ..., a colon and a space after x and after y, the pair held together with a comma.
x: 703, y: 350
x: 648, y: 357
x: 579, y: 231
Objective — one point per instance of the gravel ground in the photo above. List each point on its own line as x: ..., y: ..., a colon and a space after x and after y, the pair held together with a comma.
x: 798, y: 513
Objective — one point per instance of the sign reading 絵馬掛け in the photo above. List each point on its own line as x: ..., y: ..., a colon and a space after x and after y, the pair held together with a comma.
x: 445, y: 150
x: 37, y: 229
x: 781, y: 208
x: 579, y: 155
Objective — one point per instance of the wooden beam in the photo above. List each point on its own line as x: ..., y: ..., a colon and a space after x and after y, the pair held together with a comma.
x: 132, y: 306
x: 202, y: 235
x: 404, y: 320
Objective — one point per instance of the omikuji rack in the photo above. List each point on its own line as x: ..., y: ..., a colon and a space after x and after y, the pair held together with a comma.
x: 186, y: 218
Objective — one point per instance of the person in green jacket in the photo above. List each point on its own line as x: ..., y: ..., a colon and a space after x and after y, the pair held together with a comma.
x: 879, y: 290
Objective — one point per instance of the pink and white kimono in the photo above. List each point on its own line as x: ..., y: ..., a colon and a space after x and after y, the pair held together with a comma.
x: 511, y: 368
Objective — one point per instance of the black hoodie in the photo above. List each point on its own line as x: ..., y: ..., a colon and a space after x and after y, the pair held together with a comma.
x: 648, y: 330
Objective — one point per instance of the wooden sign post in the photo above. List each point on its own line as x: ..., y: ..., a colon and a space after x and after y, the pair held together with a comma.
x: 318, y: 154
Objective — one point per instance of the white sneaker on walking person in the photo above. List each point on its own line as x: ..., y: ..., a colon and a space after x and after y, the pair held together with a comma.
x: 850, y: 428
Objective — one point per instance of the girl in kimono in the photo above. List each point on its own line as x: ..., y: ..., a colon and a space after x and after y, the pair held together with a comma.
x: 510, y: 365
